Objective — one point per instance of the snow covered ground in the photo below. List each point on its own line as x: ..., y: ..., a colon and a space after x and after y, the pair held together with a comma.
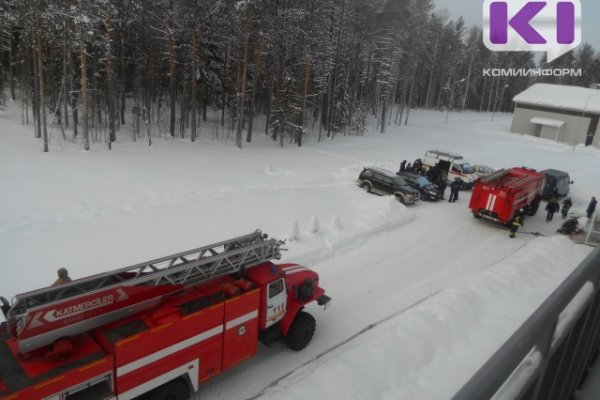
x: 422, y: 295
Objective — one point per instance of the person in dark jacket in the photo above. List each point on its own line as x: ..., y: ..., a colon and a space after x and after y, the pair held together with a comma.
x: 552, y: 207
x: 454, y: 189
x: 441, y: 185
x: 591, y: 208
x: 515, y: 224
x: 566, y: 206
x: 402, y: 166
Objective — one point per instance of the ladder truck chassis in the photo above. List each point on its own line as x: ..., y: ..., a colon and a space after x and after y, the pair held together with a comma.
x: 156, y: 330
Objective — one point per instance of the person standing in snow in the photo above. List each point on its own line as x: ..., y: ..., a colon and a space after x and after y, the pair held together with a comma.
x: 454, y: 189
x: 441, y: 185
x: 402, y: 166
x: 566, y: 206
x: 552, y: 207
x: 515, y: 224
x: 591, y: 208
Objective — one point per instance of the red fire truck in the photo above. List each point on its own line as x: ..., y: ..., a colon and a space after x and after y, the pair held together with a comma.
x: 500, y: 196
x: 155, y: 329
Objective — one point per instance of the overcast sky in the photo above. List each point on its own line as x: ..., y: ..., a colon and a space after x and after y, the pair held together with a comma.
x: 472, y: 12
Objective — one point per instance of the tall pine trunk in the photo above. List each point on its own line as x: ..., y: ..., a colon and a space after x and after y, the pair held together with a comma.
x: 194, y: 104
x: 84, y: 82
x: 172, y: 93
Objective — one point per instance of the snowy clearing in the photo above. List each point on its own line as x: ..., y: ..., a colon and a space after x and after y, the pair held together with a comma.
x: 443, y: 290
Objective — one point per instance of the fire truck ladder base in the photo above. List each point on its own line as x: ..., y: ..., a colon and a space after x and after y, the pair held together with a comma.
x: 184, y: 269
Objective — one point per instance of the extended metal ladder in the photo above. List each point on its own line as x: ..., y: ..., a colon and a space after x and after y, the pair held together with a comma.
x: 182, y: 269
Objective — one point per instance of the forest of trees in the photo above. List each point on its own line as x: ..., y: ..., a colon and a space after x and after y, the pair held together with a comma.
x: 308, y: 68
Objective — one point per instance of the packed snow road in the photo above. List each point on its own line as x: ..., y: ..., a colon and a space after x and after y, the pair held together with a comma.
x: 387, y: 274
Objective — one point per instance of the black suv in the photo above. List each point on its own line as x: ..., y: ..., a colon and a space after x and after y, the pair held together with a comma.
x: 382, y: 182
x: 423, y: 185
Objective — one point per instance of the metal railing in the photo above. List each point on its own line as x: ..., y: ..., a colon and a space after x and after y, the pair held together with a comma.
x: 548, y: 357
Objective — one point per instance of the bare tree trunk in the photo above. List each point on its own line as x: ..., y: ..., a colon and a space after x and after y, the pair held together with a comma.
x: 335, y: 71
x: 35, y: 104
x: 110, y: 96
x: 39, y: 52
x: 66, y: 85
x: 40, y: 59
x: 225, y: 66
x: 193, y: 104
x: 172, y: 92
x: 242, y: 92
x: 11, y: 68
x: 84, y: 82
x: 257, y: 61
x: 307, y: 63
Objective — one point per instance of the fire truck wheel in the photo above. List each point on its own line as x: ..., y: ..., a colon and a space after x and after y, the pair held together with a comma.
x: 532, y: 210
x: 367, y: 187
x: 301, y: 331
x: 174, y: 390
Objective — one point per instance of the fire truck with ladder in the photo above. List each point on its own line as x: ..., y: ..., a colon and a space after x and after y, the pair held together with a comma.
x: 158, y: 329
x: 500, y: 196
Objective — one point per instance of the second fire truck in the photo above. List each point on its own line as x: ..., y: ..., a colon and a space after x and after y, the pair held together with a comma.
x: 158, y: 329
x: 500, y: 196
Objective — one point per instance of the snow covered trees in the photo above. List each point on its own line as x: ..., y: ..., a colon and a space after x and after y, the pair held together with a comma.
x: 302, y: 69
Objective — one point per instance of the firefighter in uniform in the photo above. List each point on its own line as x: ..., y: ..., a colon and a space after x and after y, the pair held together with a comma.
x: 516, y: 223
x: 63, y: 277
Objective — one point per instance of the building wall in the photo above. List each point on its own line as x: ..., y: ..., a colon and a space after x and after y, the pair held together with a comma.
x: 573, y: 132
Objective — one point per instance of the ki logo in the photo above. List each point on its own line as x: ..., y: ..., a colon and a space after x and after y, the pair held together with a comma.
x: 551, y: 26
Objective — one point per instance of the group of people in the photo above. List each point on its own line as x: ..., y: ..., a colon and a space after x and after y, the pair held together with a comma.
x: 435, y: 175
x: 552, y: 208
x: 416, y: 167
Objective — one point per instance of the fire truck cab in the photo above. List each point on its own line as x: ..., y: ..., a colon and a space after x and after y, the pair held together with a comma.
x: 156, y: 330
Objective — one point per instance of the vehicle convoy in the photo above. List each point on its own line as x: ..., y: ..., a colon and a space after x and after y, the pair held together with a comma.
x: 453, y: 166
x: 500, y: 196
x: 158, y: 328
x: 427, y: 190
x: 383, y: 182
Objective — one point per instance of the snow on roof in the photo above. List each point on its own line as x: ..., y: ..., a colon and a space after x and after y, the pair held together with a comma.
x: 547, y: 122
x: 572, y: 98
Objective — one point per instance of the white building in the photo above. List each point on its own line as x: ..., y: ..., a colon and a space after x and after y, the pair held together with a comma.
x: 568, y: 114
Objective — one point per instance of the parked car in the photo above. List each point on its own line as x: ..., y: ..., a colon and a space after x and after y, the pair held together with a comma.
x: 383, y: 182
x: 427, y: 190
x: 483, y: 170
x: 557, y: 183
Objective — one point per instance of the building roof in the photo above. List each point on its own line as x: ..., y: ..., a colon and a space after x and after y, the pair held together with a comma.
x: 572, y: 98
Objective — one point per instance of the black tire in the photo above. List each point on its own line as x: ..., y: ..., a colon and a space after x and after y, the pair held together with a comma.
x: 477, y: 215
x: 367, y: 187
x: 400, y: 199
x: 301, y: 332
x: 174, y: 390
x: 533, y: 208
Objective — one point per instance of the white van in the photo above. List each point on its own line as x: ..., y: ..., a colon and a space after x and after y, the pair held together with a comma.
x: 452, y: 165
